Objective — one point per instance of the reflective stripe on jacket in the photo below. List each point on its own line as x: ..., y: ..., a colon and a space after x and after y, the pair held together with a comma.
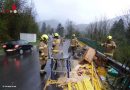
x: 43, y: 48
x: 74, y: 42
x: 56, y: 45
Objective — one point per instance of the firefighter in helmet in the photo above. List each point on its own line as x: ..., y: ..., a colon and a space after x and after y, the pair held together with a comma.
x: 56, y: 43
x: 43, y: 52
x: 74, y: 43
x: 109, y: 46
x: 56, y: 48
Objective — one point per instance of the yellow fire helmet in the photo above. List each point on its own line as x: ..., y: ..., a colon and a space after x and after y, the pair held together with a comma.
x: 109, y: 37
x: 73, y: 35
x: 56, y: 34
x: 44, y: 37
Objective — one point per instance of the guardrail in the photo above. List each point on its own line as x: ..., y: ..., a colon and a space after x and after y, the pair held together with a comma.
x: 92, y: 44
x: 122, y: 68
x: 117, y: 65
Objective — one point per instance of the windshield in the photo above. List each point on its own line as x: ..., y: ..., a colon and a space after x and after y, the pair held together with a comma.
x: 11, y: 42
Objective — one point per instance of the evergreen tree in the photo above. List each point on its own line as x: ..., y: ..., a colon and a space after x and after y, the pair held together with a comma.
x: 12, y: 24
x: 70, y: 29
x: 118, y: 32
x: 128, y: 34
x: 48, y: 29
x: 60, y: 29
x: 43, y: 29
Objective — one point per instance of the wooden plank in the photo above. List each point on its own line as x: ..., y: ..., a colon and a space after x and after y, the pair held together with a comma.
x: 69, y: 86
x: 89, y: 55
x: 88, y: 84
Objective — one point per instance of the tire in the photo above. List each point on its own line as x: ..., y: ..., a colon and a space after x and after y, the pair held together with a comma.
x: 7, y: 53
x: 31, y: 49
x: 20, y: 51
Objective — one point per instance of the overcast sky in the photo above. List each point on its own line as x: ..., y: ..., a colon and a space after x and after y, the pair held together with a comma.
x: 80, y: 11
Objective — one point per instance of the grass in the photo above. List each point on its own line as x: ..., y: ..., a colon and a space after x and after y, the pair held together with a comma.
x: 1, y: 50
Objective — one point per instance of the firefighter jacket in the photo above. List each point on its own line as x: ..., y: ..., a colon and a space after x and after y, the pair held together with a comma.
x: 74, y: 42
x: 56, y: 45
x: 43, y: 49
x: 109, y: 48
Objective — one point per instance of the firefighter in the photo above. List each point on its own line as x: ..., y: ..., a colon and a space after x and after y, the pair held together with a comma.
x: 43, y: 51
x: 74, y: 44
x: 56, y: 48
x: 109, y: 46
x: 56, y: 43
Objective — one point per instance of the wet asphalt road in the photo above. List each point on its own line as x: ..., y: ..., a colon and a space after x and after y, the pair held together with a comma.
x: 21, y: 72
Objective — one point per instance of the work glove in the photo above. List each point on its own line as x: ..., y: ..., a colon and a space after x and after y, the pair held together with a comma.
x: 41, y: 48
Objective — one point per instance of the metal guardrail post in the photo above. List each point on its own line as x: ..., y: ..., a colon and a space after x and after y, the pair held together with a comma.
x: 67, y: 65
x: 52, y: 63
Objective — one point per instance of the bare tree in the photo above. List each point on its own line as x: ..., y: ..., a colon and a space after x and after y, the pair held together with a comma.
x: 98, y: 29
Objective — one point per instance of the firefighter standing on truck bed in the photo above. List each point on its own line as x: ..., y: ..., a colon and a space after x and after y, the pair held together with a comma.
x: 43, y: 51
x: 109, y: 46
x: 74, y: 44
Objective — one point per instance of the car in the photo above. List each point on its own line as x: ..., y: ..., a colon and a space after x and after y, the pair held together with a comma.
x: 17, y: 46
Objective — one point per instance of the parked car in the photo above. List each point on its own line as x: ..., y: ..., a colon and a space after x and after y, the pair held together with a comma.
x: 17, y: 46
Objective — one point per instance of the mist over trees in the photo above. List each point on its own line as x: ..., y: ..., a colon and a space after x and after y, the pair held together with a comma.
x: 43, y: 29
x: 99, y: 30
x: 63, y: 30
x: 60, y: 30
x: 120, y: 31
